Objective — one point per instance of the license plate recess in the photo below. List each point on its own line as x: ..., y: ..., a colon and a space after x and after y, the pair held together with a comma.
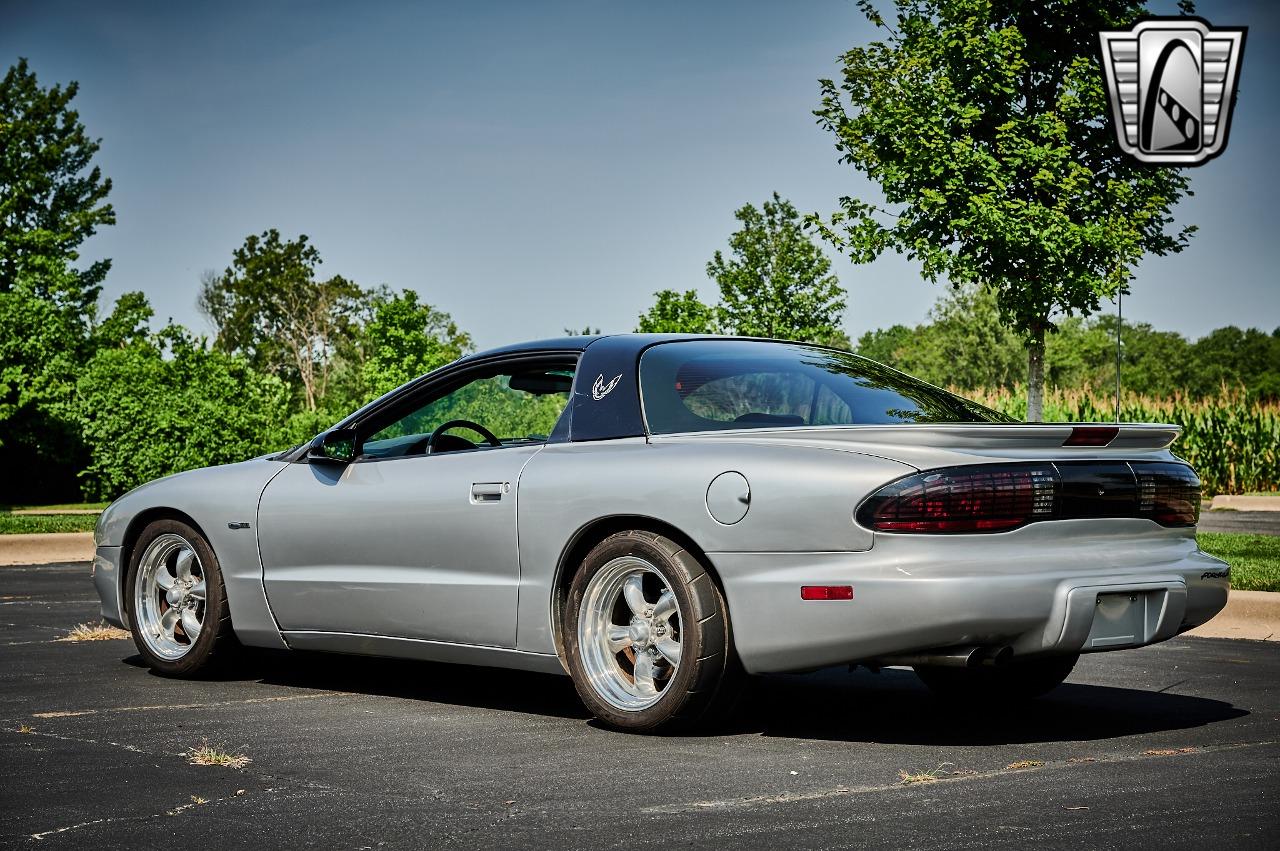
x: 1124, y: 618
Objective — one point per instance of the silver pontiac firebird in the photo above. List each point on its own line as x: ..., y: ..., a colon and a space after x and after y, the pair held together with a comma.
x: 659, y: 515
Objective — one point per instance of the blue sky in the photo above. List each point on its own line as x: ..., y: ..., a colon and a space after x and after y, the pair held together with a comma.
x: 532, y: 166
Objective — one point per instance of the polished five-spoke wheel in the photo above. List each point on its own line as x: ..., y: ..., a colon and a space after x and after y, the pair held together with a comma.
x: 629, y: 632
x: 170, y: 596
x: 646, y: 634
x: 175, y: 599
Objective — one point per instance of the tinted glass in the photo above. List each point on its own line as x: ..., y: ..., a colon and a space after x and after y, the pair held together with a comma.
x: 518, y: 408
x: 708, y: 385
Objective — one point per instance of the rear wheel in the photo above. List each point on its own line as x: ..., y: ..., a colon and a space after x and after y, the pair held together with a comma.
x: 1015, y: 680
x: 177, y: 604
x: 647, y: 635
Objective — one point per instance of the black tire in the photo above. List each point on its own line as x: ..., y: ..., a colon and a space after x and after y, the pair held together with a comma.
x: 1016, y: 680
x: 707, y: 681
x: 216, y: 639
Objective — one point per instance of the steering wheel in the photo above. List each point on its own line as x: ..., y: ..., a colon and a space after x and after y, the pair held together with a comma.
x: 476, y: 427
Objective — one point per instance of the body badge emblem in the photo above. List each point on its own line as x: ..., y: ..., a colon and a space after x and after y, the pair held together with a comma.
x: 599, y: 389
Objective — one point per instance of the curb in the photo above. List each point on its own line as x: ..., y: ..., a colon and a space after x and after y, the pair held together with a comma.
x: 1248, y: 614
x: 1246, y: 503
x: 46, y: 548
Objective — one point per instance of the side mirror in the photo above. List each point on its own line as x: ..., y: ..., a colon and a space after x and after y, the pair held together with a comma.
x: 333, y: 447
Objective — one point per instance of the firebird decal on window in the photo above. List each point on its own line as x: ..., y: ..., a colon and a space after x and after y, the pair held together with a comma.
x: 599, y: 389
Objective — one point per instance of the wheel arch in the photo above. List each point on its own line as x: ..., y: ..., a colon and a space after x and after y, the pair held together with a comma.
x: 591, y: 534
x: 133, y: 531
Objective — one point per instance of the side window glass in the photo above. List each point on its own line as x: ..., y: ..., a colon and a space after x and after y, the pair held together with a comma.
x: 516, y: 407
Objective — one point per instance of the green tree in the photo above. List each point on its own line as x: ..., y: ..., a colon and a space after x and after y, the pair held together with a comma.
x: 678, y: 313
x: 165, y: 403
x: 1159, y: 363
x: 51, y: 196
x: 985, y: 124
x: 42, y: 346
x: 404, y: 339
x: 777, y: 282
x: 966, y: 345
x: 963, y: 345
x: 888, y: 346
x: 1231, y: 356
x: 269, y: 307
x: 127, y: 322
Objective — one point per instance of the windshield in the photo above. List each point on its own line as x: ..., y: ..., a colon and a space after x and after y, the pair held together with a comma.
x: 707, y: 385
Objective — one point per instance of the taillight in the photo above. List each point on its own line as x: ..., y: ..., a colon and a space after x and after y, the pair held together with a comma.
x: 963, y: 499
x: 1001, y: 497
x: 1168, y: 494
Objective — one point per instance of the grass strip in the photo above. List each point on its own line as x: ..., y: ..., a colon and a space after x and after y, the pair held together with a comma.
x: 1254, y: 559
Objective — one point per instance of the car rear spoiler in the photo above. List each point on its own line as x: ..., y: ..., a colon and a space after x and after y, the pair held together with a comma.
x: 929, y: 445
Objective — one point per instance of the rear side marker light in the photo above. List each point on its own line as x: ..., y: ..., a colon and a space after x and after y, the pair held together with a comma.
x: 1091, y: 436
x: 826, y: 592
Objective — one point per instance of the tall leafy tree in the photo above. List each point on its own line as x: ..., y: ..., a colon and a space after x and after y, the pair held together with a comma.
x: 776, y: 281
x: 159, y: 404
x: 270, y: 307
x: 405, y: 338
x: 52, y: 197
x: 42, y: 348
x: 678, y: 313
x: 985, y: 124
x: 964, y: 345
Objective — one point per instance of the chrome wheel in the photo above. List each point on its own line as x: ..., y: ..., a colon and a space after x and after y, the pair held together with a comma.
x: 169, y: 597
x: 629, y: 633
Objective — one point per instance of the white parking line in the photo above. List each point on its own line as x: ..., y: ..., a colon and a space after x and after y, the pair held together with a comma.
x: 841, y: 791
x: 74, y: 713
x: 48, y: 602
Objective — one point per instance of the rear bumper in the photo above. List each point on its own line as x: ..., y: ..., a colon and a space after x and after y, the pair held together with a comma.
x: 107, y: 568
x: 1106, y: 585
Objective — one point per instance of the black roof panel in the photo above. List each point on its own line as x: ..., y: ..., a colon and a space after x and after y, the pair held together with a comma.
x: 636, y: 342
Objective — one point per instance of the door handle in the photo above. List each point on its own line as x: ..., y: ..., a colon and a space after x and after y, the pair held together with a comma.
x: 488, y: 491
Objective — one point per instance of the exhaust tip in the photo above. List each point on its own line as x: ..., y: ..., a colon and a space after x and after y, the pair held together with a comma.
x: 998, y: 656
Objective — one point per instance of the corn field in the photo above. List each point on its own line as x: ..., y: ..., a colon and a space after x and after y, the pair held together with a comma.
x: 1234, y: 444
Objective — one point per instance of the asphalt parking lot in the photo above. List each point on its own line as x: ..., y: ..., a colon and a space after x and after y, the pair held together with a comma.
x: 1170, y: 746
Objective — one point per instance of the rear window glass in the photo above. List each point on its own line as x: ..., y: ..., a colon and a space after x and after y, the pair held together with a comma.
x: 706, y: 385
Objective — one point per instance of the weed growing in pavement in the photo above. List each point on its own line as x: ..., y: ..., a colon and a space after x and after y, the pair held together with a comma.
x: 207, y: 754
x: 906, y: 778
x: 94, y: 632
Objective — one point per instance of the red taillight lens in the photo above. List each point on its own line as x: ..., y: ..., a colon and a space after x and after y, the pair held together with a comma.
x: 999, y: 497
x: 975, y: 499
x: 1168, y: 494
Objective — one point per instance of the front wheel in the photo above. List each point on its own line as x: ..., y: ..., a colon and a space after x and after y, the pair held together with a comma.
x: 1013, y: 681
x: 646, y: 632
x: 176, y: 602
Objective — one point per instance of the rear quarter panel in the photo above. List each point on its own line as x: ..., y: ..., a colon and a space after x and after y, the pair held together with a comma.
x: 802, y: 500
